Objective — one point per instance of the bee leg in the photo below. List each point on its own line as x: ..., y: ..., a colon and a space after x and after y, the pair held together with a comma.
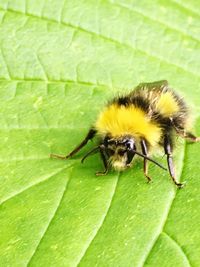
x: 184, y: 134
x: 105, y: 162
x: 191, y: 137
x: 145, y: 166
x: 88, y: 137
x: 168, y: 152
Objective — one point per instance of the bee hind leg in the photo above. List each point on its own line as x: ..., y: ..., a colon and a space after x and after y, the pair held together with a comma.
x: 168, y: 152
x: 184, y: 134
x: 191, y: 137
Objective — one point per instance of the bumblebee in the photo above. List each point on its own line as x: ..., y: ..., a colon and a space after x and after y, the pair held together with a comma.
x: 139, y: 123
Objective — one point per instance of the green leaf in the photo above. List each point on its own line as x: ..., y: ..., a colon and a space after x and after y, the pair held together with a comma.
x: 60, y: 61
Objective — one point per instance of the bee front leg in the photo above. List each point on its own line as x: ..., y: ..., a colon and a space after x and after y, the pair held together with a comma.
x: 168, y: 152
x: 105, y: 162
x: 145, y: 166
x: 88, y: 137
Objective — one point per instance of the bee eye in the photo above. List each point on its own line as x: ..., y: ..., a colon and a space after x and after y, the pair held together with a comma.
x: 121, y: 152
x: 129, y: 145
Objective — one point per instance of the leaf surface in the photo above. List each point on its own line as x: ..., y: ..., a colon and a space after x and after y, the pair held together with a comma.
x: 60, y: 61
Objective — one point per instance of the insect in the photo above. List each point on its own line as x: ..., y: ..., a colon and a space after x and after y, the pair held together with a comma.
x: 139, y: 123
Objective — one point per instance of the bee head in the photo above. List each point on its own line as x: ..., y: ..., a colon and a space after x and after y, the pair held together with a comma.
x: 120, y: 151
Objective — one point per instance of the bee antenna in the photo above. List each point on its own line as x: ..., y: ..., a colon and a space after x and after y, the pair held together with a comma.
x: 92, y: 151
x: 146, y: 157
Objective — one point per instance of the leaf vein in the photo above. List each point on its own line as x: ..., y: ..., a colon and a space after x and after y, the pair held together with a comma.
x: 42, y: 67
x: 157, y: 21
x: 196, y: 74
x: 186, y: 7
x: 180, y: 248
x: 53, y: 81
x: 102, y: 222
x: 164, y: 220
x: 50, y: 222
x: 4, y: 58
x: 32, y: 185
